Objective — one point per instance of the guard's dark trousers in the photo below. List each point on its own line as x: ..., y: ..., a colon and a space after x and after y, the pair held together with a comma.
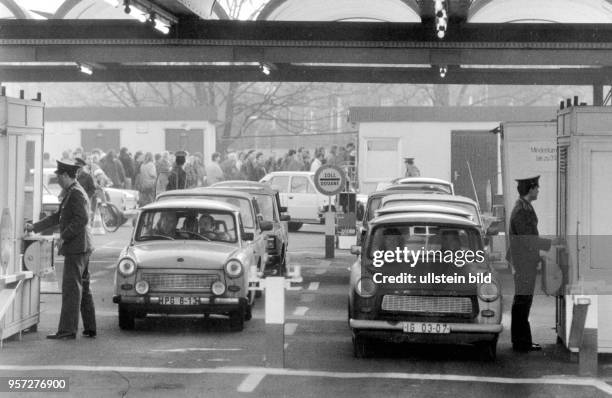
x: 76, y: 296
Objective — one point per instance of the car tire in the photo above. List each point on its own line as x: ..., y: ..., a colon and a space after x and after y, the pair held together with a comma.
x: 110, y: 221
x: 236, y: 320
x: 360, y: 347
x: 126, y: 319
x: 295, y: 226
x: 488, y: 350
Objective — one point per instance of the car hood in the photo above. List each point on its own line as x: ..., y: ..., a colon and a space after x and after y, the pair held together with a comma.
x: 181, y: 254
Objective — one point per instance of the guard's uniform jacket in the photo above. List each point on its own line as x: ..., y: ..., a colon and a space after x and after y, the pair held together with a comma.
x: 412, y: 171
x: 76, y: 246
x: 524, y: 254
x: 177, y: 179
x: 73, y: 219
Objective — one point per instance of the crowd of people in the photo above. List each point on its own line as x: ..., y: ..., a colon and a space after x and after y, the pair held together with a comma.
x: 144, y: 171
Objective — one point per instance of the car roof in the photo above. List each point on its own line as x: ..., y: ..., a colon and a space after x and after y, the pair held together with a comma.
x: 414, y: 208
x: 424, y: 217
x: 182, y: 203
x: 245, y: 186
x: 204, y: 191
x: 421, y: 180
x: 286, y: 173
x: 430, y: 197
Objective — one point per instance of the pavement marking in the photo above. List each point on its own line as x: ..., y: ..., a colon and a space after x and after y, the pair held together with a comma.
x: 111, y: 266
x: 290, y: 328
x: 250, y: 383
x: 300, y: 311
x: 546, y: 380
x: 294, y: 288
x: 197, y: 349
x: 99, y: 273
x: 286, y: 345
x: 218, y: 360
x: 307, y: 298
x: 313, y: 286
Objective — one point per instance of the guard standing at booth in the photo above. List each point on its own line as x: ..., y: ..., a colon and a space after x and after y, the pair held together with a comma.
x: 75, y: 244
x: 524, y: 255
x: 411, y: 169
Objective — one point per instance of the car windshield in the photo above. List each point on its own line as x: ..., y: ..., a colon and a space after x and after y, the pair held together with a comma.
x: 186, y: 224
x: 464, y: 206
x: 266, y: 206
x: 243, y: 204
x: 373, y: 205
x: 434, y: 238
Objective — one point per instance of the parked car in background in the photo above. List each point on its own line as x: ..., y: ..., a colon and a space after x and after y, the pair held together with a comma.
x: 298, y: 193
x: 422, y: 310
x: 186, y: 256
x: 420, y: 185
x: 249, y: 209
x: 277, y: 239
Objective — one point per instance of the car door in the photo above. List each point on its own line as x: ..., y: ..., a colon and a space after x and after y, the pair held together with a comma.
x: 259, y: 242
x: 282, y: 184
x: 303, y: 198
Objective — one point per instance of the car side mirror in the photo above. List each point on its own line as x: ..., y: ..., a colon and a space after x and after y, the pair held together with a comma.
x: 248, y: 236
x: 492, y: 230
x: 282, y: 209
x: 266, y: 225
x: 285, y: 217
x: 356, y: 250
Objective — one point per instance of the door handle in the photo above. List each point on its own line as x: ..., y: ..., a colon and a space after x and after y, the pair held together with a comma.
x: 456, y: 175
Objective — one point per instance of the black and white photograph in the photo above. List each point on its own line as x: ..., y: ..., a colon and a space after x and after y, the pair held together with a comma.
x: 306, y: 198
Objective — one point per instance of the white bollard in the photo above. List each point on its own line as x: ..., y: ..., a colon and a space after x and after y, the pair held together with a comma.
x: 275, y: 322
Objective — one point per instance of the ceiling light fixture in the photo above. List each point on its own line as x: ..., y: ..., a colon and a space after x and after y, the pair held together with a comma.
x: 443, y: 71
x: 85, y: 68
x: 441, y: 18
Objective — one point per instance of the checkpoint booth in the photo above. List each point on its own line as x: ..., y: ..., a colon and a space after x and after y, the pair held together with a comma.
x: 22, y: 259
x: 584, y: 219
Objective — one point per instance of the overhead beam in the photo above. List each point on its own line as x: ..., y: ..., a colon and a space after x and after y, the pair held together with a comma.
x: 293, y: 73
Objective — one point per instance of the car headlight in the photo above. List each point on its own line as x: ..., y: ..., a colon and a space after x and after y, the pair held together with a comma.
x: 142, y: 287
x: 233, y: 268
x: 365, y: 287
x: 127, y: 266
x: 218, y: 288
x: 488, y: 292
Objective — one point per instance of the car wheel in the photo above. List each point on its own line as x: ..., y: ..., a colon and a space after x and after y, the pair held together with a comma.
x: 360, y: 347
x: 295, y: 226
x: 126, y: 319
x: 236, y: 321
x: 489, y: 350
x: 109, y: 219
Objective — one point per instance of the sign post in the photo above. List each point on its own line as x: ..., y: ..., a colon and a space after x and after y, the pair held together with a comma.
x: 330, y: 181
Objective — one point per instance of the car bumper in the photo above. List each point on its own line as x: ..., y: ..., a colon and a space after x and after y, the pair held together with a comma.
x: 460, y: 333
x: 398, y: 326
x: 151, y: 304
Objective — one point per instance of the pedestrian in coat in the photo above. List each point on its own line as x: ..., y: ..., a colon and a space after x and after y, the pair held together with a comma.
x: 177, y: 179
x: 524, y: 255
x: 75, y: 244
x: 411, y: 169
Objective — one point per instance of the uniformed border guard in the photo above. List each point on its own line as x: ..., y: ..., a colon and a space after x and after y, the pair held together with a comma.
x: 524, y: 255
x: 75, y: 244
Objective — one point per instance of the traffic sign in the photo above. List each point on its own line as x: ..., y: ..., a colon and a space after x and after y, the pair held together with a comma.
x: 330, y: 180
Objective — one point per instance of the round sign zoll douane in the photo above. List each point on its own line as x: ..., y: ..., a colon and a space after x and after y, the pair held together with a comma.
x: 330, y: 180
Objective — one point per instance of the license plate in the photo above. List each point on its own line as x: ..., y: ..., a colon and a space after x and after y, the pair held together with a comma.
x: 425, y: 327
x: 178, y: 300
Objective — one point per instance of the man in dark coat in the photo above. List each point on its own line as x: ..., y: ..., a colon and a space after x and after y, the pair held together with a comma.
x: 75, y: 244
x: 177, y: 179
x: 524, y: 255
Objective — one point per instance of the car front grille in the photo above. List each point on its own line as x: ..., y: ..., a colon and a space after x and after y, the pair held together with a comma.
x: 428, y: 304
x: 183, y: 282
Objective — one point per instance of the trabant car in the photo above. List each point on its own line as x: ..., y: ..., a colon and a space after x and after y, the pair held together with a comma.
x: 249, y: 209
x: 277, y: 239
x: 434, y: 304
x: 186, y: 256
x: 299, y: 195
x: 421, y: 184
